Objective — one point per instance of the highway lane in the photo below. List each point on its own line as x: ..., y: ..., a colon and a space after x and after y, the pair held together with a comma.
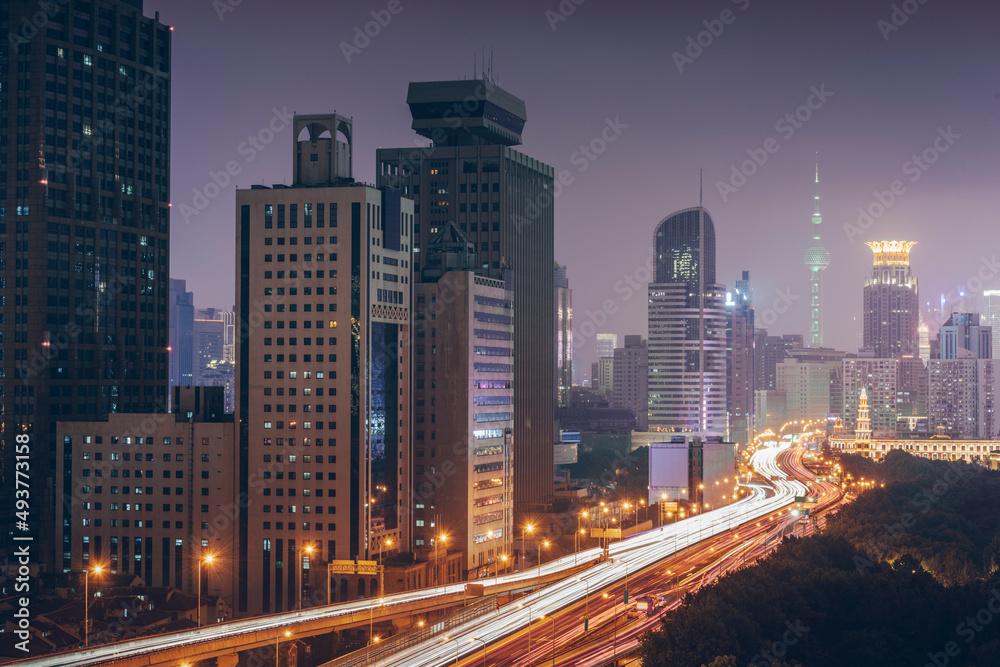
x: 635, y: 553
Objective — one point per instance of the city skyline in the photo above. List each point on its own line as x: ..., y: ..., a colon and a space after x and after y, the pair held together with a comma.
x: 880, y: 114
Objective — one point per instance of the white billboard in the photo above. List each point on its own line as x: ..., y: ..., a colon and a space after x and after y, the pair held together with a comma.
x: 668, y: 470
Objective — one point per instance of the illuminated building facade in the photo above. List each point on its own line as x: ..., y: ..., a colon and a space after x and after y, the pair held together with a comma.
x: 564, y: 336
x: 472, y: 176
x: 687, y: 329
x: 879, y: 378
x: 891, y: 302
x: 606, y: 344
x: 990, y: 316
x: 84, y: 231
x: 463, y: 405
x: 323, y: 370
x: 816, y: 259
x: 740, y: 358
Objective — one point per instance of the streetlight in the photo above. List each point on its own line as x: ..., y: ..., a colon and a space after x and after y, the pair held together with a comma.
x: 381, y: 572
x: 209, y: 559
x: 553, y: 617
x: 530, y: 528
x: 503, y: 557
x: 277, y: 641
x: 307, y: 550
x: 86, y: 603
x: 448, y: 639
x: 540, y: 545
x: 477, y: 639
x: 371, y: 619
x: 521, y: 606
x: 437, y: 566
x: 615, y: 650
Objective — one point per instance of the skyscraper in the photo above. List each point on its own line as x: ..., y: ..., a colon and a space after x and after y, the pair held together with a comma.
x: 181, y: 315
x: 891, y: 302
x: 990, y: 316
x: 740, y: 357
x: 471, y: 176
x: 630, y: 375
x: 606, y: 344
x: 463, y: 404
x: 564, y: 336
x: 816, y: 259
x: 84, y: 228
x: 687, y: 328
x: 323, y: 409
x: 962, y: 337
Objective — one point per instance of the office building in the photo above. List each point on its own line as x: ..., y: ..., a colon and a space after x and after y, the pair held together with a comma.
x: 891, y: 302
x: 629, y: 377
x: 953, y: 397
x: 564, y: 336
x: 816, y: 259
x: 962, y: 337
x: 181, y: 315
x: 606, y: 344
x: 880, y: 379
x: 472, y: 177
x: 208, y: 345
x: 606, y: 377
x: 990, y: 317
x: 808, y: 388
x: 323, y: 369
x: 463, y: 477
x: 687, y: 329
x: 769, y: 351
x: 153, y: 493
x: 84, y: 230
x: 740, y: 357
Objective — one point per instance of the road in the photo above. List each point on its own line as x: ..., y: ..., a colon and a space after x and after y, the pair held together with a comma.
x: 507, y: 630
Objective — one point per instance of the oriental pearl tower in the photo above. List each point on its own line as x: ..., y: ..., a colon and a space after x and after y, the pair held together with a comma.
x: 816, y: 259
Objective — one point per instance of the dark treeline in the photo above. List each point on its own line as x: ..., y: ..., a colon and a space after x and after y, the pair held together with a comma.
x: 905, y: 575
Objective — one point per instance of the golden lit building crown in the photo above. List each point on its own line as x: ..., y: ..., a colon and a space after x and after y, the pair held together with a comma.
x: 891, y: 253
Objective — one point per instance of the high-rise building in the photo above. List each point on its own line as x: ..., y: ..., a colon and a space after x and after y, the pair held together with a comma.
x: 891, y: 302
x: 816, y: 259
x: 687, y: 328
x: 880, y: 379
x: 962, y: 337
x: 209, y: 336
x: 629, y: 379
x: 990, y: 316
x: 324, y: 412
x: 740, y: 357
x: 953, y: 397
x: 606, y: 344
x: 606, y: 376
x: 471, y: 176
x: 463, y: 404
x: 182, y: 509
x: 84, y: 231
x: 769, y: 351
x: 807, y: 387
x: 181, y: 315
x: 564, y: 336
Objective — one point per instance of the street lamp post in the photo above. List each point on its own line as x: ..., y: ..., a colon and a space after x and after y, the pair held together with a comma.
x: 86, y: 603
x: 477, y: 639
x: 308, y: 550
x: 586, y: 602
x: 530, y: 528
x: 381, y: 572
x: 209, y: 559
x: 277, y: 641
x: 502, y: 557
x: 540, y: 545
x: 437, y: 565
x: 553, y: 617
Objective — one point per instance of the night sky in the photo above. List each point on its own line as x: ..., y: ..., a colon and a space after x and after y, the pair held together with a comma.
x: 888, y: 91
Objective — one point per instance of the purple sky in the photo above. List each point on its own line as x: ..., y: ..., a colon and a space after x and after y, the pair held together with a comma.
x: 891, y: 92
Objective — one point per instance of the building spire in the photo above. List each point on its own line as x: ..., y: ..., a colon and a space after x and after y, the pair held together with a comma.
x: 816, y: 259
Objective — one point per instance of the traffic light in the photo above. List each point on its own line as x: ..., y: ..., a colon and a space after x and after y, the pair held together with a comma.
x: 586, y: 623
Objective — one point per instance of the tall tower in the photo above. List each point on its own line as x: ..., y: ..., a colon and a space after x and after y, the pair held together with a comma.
x: 891, y: 302
x: 863, y: 432
x: 816, y: 259
x: 473, y: 177
x: 687, y: 329
x: 84, y: 234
